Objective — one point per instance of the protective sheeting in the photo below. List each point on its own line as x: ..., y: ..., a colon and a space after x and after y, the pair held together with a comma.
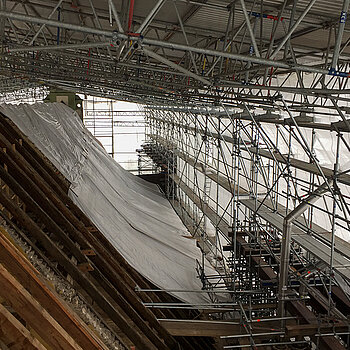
x: 131, y: 213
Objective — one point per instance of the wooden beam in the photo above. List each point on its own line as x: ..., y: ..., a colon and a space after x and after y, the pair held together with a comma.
x: 34, y: 314
x: 31, y: 153
x: 85, y: 283
x: 307, y: 329
x: 61, y: 216
x: 28, y: 276
x: 327, y: 342
x: 14, y: 335
x: 198, y: 328
x: 85, y: 265
x: 44, y: 217
x: 40, y: 207
x: 191, y: 328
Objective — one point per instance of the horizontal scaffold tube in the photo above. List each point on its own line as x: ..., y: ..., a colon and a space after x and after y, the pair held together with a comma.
x: 115, y: 36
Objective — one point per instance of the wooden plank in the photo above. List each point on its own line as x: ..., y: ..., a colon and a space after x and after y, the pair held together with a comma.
x: 85, y: 283
x: 15, y: 335
x: 25, y: 273
x: 85, y: 265
x: 199, y: 329
x: 31, y: 152
x: 19, y: 171
x: 34, y: 314
x: 310, y: 329
x: 42, y: 214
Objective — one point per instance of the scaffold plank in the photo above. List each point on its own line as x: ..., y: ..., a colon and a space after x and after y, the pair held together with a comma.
x: 307, y: 241
x: 302, y: 165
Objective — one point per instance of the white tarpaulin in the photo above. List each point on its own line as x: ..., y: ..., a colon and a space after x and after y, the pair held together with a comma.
x: 131, y: 213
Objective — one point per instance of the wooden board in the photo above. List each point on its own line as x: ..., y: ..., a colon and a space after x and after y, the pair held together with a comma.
x: 14, y: 335
x: 34, y: 314
x: 28, y: 276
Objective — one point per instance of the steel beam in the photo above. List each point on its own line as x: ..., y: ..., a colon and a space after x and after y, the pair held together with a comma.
x: 341, y: 27
x: 291, y: 31
x: 116, y: 17
x: 43, y: 25
x: 286, y: 241
x: 159, y: 43
x: 175, y: 66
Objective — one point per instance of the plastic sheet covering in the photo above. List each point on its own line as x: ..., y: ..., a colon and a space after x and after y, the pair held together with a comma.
x: 130, y: 212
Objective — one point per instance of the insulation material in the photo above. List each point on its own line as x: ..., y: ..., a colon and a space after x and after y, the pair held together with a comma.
x: 135, y: 217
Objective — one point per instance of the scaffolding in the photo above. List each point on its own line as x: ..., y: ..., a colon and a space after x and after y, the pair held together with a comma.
x: 246, y: 106
x: 240, y: 179
x: 120, y: 131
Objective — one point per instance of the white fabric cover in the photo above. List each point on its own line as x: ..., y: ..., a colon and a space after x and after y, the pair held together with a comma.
x: 130, y: 212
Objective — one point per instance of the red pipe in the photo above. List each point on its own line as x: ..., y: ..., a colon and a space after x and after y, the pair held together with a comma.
x: 131, y: 13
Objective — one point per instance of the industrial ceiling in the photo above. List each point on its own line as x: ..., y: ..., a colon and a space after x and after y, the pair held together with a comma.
x: 160, y: 51
x: 245, y: 101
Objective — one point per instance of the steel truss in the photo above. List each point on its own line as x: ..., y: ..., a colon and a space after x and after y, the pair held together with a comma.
x: 124, y: 63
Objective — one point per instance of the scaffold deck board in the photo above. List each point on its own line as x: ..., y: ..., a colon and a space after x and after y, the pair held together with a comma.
x: 223, y: 226
x: 272, y: 216
x: 320, y: 250
x: 323, y: 252
x: 302, y: 165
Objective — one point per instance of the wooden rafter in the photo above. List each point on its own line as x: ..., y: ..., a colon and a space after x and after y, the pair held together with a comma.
x: 12, y: 332
x: 28, y: 276
x: 34, y: 314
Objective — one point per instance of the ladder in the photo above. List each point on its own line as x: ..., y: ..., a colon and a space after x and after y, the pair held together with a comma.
x: 207, y: 186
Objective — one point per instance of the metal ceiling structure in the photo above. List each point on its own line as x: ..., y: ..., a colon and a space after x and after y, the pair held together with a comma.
x: 178, y: 50
x: 246, y: 104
